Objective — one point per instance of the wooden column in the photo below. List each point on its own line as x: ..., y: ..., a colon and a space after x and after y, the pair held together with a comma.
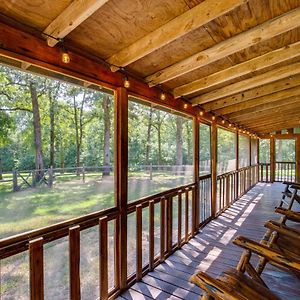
x: 257, y: 169
x: 196, y: 200
x: 298, y: 158
x: 272, y: 159
x: 237, y: 164
x: 214, y: 150
x: 121, y: 182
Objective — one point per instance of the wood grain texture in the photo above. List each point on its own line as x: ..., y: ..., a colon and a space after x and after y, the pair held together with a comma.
x: 76, y: 13
x: 270, y: 76
x: 257, y: 63
x: 188, y: 21
x: 269, y: 29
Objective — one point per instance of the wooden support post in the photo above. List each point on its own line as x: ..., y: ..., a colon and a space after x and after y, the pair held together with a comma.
x: 258, y: 163
x: 139, y: 240
x: 214, y: 153
x: 272, y: 159
x: 36, y: 262
x: 151, y: 235
x: 237, y: 166
x: 196, y: 200
x: 103, y: 258
x: 74, y: 261
x: 297, y: 158
x: 121, y: 179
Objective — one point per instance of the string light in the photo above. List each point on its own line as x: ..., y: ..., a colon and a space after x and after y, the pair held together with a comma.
x: 185, y: 106
x: 229, y: 125
x: 126, y: 83
x: 163, y: 96
x: 213, y: 118
x: 201, y: 113
x: 223, y: 121
x: 65, y: 57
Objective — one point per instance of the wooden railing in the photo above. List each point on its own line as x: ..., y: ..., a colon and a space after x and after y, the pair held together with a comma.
x: 157, y: 226
x: 234, y: 184
x: 172, y: 208
x: 265, y: 172
x: 285, y: 171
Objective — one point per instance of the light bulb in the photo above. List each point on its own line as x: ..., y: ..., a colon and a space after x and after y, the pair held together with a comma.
x: 213, y: 118
x: 223, y: 121
x: 65, y: 57
x: 162, y: 96
x: 126, y: 83
x: 201, y: 113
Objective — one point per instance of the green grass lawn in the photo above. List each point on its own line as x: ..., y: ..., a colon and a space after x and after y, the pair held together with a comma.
x: 33, y: 208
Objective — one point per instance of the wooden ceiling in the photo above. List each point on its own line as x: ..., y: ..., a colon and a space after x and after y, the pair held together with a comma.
x: 236, y: 58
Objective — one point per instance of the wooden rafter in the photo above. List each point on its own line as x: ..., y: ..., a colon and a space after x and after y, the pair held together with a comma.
x: 265, y: 117
x: 255, y: 64
x: 221, y: 105
x: 262, y: 32
x: 264, y: 100
x: 174, y: 29
x: 279, y: 126
x: 263, y: 107
x: 77, y: 12
x: 252, y: 82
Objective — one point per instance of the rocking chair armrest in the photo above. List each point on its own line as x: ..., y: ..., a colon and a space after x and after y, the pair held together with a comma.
x: 290, y: 214
x: 268, y: 253
x: 284, y: 230
x: 215, y: 288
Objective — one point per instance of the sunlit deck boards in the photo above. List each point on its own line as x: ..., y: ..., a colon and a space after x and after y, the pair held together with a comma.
x: 212, y: 251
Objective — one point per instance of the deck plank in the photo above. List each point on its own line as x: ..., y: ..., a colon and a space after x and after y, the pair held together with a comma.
x: 212, y: 251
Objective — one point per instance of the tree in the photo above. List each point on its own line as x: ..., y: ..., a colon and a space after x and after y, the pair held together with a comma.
x: 106, y: 139
x: 179, y: 127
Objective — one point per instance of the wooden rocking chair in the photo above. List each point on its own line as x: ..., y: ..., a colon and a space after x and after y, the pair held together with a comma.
x: 235, y: 285
x: 290, y: 194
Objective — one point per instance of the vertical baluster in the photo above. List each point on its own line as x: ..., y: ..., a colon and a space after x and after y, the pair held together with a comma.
x: 162, y: 229
x: 36, y: 261
x: 139, y: 254
x: 179, y: 219
x: 103, y: 258
x: 151, y: 235
x: 186, y: 215
x: 169, y: 223
x: 74, y: 258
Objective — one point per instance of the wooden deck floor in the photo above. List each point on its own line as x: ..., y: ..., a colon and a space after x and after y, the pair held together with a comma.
x: 212, y: 251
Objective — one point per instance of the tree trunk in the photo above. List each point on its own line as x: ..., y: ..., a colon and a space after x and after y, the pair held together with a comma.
x: 179, y: 157
x: 106, y: 142
x: 1, y: 166
x: 159, y: 144
x: 52, y: 131
x: 62, y: 156
x: 77, y: 137
x: 279, y: 152
x: 39, y: 161
x: 148, y: 141
x: 189, y: 144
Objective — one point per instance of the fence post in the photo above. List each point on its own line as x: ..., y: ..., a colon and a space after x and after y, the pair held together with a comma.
x: 83, y: 174
x: 33, y: 179
x: 15, y: 181
x: 151, y: 175
x: 50, y: 180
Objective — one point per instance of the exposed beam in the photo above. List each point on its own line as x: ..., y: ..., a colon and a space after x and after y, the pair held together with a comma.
x: 279, y: 126
x: 250, y: 83
x: 190, y: 20
x: 264, y: 100
x: 264, y: 117
x: 262, y: 32
x: 263, y: 107
x: 270, y: 88
x: 77, y: 12
x: 255, y: 64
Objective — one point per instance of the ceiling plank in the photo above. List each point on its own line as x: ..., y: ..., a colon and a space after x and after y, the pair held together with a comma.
x: 252, y: 103
x: 280, y: 126
x: 77, y: 12
x: 264, y: 107
x: 192, y: 19
x: 246, y: 39
x: 270, y: 76
x: 267, y: 89
x: 255, y: 64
